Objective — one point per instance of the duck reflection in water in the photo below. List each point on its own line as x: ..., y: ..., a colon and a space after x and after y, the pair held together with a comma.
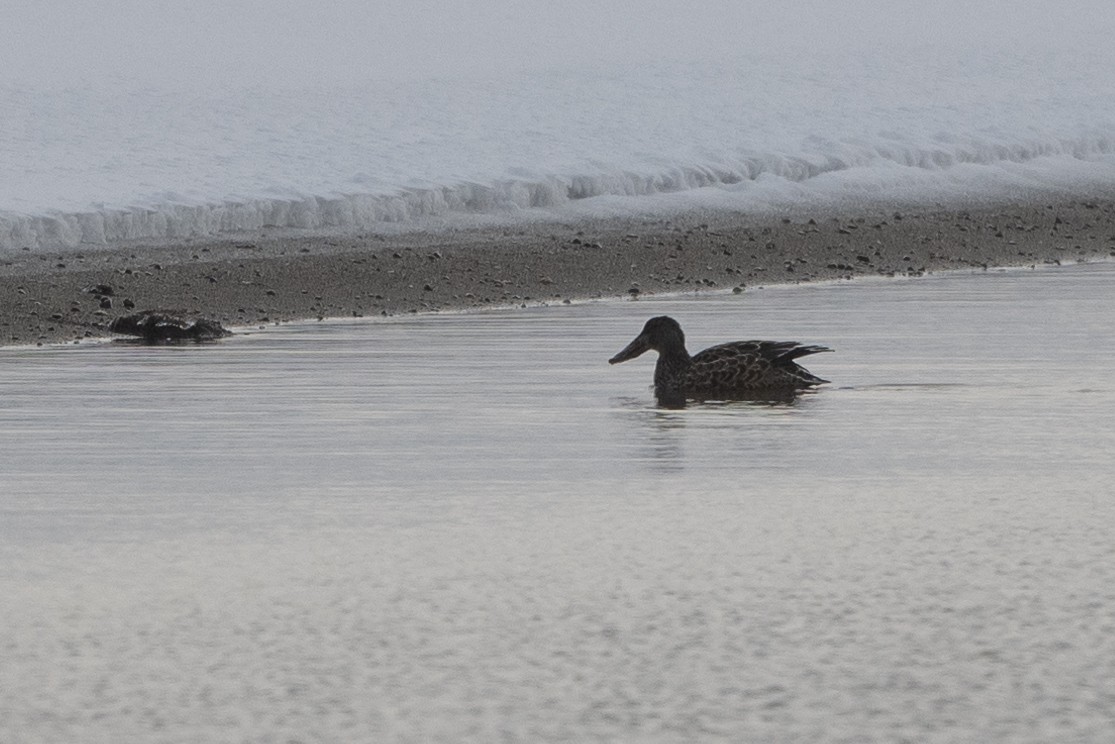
x: 739, y: 370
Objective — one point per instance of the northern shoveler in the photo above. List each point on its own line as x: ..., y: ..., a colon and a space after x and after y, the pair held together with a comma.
x: 740, y: 369
x: 157, y: 327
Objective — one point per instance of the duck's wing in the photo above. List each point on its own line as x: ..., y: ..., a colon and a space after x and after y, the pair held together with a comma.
x: 146, y: 323
x: 743, y: 365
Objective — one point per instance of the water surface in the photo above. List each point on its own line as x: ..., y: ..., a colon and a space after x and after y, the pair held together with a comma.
x: 471, y: 528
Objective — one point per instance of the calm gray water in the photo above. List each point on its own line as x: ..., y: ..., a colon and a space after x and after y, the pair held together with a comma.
x: 466, y: 528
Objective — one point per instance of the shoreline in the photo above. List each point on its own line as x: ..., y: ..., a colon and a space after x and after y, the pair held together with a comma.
x: 262, y: 280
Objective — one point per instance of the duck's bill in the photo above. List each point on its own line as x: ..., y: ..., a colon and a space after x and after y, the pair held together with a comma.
x: 632, y: 350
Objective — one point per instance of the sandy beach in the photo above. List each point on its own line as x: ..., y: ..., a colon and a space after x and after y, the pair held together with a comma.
x: 251, y: 281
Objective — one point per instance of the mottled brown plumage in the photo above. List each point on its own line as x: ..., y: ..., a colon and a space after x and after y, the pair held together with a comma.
x: 158, y: 327
x: 740, y: 369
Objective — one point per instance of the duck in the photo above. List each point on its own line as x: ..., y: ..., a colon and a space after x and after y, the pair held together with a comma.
x: 161, y: 327
x: 757, y: 370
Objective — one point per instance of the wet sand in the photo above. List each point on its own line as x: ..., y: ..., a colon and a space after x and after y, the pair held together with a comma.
x: 260, y: 280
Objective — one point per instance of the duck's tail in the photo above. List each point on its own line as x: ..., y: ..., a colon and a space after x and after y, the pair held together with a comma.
x: 805, y: 377
x: 796, y: 352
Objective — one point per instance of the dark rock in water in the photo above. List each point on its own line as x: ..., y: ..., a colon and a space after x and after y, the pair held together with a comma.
x: 160, y: 327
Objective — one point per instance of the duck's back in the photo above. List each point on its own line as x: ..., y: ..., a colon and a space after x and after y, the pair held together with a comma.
x: 751, y: 365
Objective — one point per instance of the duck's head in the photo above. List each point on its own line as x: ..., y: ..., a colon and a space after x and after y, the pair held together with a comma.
x: 661, y: 333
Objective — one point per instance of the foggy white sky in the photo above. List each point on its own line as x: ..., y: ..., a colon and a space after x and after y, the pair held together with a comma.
x: 302, y: 42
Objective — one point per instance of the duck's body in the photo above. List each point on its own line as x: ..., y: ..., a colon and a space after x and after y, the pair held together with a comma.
x: 732, y: 370
x: 157, y: 327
